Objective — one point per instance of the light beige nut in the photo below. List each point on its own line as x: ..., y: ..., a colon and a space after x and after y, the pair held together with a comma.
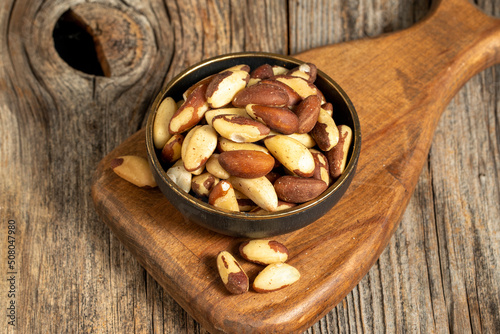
x: 304, y: 138
x: 134, y: 169
x: 180, y: 176
x: 301, y: 86
x: 279, y: 119
x: 213, y: 167
x: 308, y: 112
x: 198, y: 146
x: 164, y: 114
x: 253, y: 81
x: 247, y: 164
x: 307, y: 71
x: 223, y: 197
x: 292, y: 154
x: 263, y: 251
x: 328, y: 107
x: 239, y: 67
x: 190, y: 112
x: 232, y: 275
x: 274, y: 277
x: 263, y: 94
x: 293, y: 97
x: 325, y: 132
x: 295, y: 189
x: 260, y: 190
x: 278, y: 70
x: 203, y: 184
x: 245, y: 204
x: 172, y: 150
x: 239, y: 129
x: 337, y: 156
x: 224, y: 86
x: 282, y: 205
x: 209, y: 115
x: 322, y: 170
x: 225, y: 145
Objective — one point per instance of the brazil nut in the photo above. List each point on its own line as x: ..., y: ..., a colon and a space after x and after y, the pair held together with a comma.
x: 198, y: 146
x: 337, y: 156
x: 239, y: 129
x: 292, y: 154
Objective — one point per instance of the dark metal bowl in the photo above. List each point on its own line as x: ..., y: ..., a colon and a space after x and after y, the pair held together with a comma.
x: 242, y: 224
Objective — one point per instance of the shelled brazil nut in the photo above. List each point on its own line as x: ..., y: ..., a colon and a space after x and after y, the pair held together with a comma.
x: 267, y: 134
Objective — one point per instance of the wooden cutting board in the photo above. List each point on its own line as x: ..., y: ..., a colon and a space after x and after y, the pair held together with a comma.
x: 399, y: 84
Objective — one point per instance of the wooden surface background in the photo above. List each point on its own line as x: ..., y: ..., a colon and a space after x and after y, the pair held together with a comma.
x: 440, y: 272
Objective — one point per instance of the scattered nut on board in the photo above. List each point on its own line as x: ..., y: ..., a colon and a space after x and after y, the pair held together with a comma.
x: 233, y: 276
x: 134, y: 169
x: 275, y: 276
x: 263, y: 251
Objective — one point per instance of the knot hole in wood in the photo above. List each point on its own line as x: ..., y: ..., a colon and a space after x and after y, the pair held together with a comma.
x: 102, y: 40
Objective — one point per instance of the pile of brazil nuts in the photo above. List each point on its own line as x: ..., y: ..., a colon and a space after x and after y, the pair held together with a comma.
x: 259, y: 140
x: 275, y: 276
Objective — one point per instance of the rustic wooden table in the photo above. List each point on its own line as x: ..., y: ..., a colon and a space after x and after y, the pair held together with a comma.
x: 63, y: 271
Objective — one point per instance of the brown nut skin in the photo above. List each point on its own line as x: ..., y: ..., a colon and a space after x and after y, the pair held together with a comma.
x: 262, y: 72
x: 203, y: 184
x: 232, y: 275
x: 172, y: 150
x: 272, y: 176
x: 293, y: 97
x: 210, y: 114
x: 190, y: 112
x: 246, y: 164
x: 244, y: 203
x: 322, y: 169
x: 262, y: 251
x: 261, y: 94
x: 337, y: 156
x: 279, y: 119
x: 308, y: 112
x: 296, y: 189
x: 204, y: 81
x: 325, y: 132
x: 328, y: 108
x: 303, y: 87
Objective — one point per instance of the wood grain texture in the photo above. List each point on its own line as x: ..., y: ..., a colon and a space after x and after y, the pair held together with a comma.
x: 438, y: 273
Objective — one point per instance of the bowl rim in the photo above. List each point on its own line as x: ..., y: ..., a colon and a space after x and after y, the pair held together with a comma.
x: 156, y: 164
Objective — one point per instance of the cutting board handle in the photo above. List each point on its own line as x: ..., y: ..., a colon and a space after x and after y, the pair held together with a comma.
x: 455, y: 41
x: 475, y: 35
